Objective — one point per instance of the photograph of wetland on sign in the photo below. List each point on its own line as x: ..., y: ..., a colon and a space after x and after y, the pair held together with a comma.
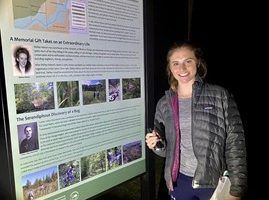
x: 94, y: 91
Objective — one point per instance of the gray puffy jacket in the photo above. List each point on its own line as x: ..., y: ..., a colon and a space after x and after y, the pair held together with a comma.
x: 217, y: 136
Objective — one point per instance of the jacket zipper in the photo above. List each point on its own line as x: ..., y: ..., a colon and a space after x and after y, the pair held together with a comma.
x: 195, y: 184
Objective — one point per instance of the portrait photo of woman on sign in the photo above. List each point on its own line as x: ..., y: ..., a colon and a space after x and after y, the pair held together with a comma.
x: 23, y: 65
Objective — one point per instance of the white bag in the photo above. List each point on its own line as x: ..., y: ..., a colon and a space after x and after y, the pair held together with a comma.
x: 223, y: 188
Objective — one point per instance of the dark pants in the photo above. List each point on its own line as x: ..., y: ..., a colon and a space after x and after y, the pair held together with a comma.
x: 184, y: 190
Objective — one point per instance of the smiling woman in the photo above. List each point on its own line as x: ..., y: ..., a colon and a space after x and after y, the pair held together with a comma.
x: 183, y: 63
x: 204, y: 135
x: 22, y: 60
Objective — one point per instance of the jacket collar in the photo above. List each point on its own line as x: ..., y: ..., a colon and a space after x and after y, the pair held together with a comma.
x: 197, y: 88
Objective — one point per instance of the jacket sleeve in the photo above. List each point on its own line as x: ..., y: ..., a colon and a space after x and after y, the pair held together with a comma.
x: 235, y: 149
x: 159, y: 119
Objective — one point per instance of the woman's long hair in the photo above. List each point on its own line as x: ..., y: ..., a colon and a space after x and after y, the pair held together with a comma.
x: 201, y: 65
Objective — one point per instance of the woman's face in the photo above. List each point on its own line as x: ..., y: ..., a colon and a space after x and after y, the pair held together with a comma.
x: 183, y: 65
x: 22, y: 59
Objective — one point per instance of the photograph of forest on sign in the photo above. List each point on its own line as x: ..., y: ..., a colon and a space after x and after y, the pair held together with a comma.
x: 93, y: 165
x: 30, y: 97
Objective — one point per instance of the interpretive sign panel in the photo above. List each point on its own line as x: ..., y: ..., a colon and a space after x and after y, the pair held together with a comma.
x: 74, y: 78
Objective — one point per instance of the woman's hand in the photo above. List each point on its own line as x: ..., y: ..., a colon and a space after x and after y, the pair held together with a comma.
x: 230, y: 197
x: 169, y: 186
x: 152, y: 139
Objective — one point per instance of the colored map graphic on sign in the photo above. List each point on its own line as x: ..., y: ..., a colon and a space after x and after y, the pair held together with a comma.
x: 49, y: 15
